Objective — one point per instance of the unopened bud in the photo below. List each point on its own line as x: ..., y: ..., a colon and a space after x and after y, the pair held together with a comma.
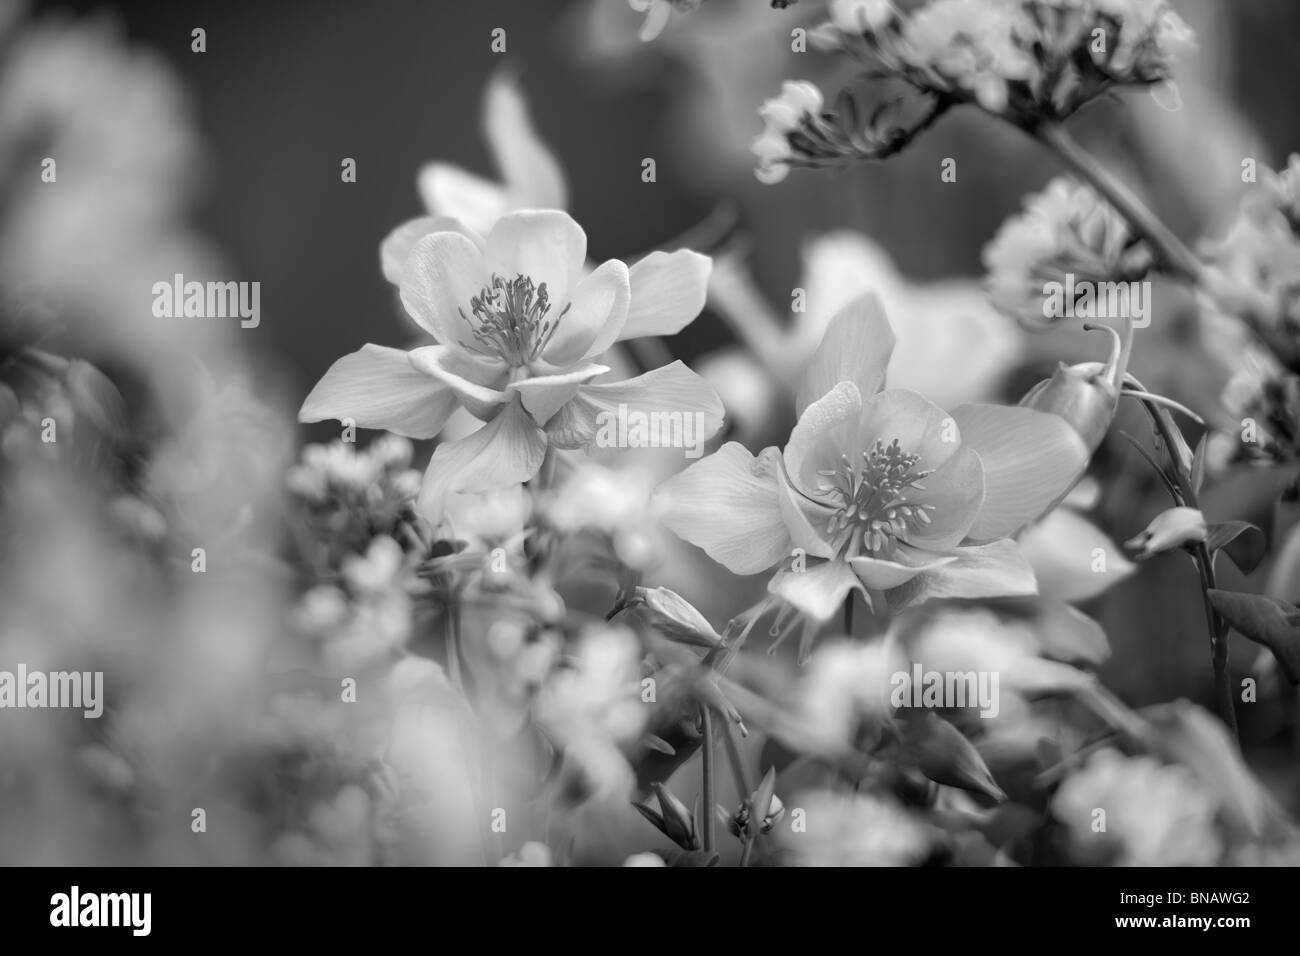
x: 1085, y: 395
x: 675, y: 617
x: 1175, y: 528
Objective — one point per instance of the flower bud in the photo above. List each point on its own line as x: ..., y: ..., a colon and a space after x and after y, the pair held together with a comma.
x: 674, y: 820
x: 1082, y: 396
x: 675, y: 617
x: 1175, y: 528
x: 1085, y: 395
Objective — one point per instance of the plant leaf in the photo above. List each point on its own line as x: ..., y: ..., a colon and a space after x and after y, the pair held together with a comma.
x: 1264, y: 620
x: 944, y: 755
x: 1242, y: 541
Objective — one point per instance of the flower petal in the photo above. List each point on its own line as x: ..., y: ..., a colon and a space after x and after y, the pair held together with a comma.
x: 673, y: 390
x: 826, y: 430
x: 819, y: 590
x: 879, y: 574
x: 727, y: 505
x: 668, y: 292
x: 477, y: 385
x: 506, y: 451
x: 805, y: 519
x: 377, y: 388
x: 397, y: 245
x: 594, y: 317
x: 534, y: 179
x: 1063, y: 550
x: 545, y: 245
x: 442, y: 272
x: 448, y: 190
x: 1031, y: 459
x: 987, y: 570
x: 921, y: 427
x: 656, y: 18
x: 544, y: 395
x: 856, y: 348
x: 954, y: 493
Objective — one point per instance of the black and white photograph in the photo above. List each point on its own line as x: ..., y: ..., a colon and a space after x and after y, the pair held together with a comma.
x: 651, y: 433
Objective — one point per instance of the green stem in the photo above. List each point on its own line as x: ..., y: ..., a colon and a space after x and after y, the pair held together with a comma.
x: 848, y: 615
x: 453, y: 646
x: 1169, y: 249
x: 743, y: 783
x: 1217, y: 627
x: 708, y: 825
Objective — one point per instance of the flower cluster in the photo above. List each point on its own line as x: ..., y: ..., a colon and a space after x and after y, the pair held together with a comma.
x: 1065, y: 229
x: 1261, y: 250
x: 1028, y: 60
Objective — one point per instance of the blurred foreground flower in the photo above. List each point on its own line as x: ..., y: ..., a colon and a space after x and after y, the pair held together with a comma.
x: 846, y: 829
x: 1136, y: 811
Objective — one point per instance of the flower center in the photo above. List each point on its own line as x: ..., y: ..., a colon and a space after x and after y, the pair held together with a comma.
x: 870, y: 496
x: 509, y: 320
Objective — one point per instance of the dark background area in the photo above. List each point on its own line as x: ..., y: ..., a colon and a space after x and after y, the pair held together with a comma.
x: 287, y: 89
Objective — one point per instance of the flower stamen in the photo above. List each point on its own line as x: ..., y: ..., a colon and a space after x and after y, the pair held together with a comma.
x: 871, y: 497
x: 511, y: 320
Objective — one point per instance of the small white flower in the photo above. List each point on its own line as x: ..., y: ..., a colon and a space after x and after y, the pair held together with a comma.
x: 1066, y: 228
x: 857, y: 16
x: 800, y: 102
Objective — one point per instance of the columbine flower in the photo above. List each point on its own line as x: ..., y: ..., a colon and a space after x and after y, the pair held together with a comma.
x: 1066, y: 228
x: 518, y: 328
x: 1156, y: 814
x: 878, y: 491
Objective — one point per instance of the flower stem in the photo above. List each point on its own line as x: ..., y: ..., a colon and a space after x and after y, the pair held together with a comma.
x: 708, y: 826
x: 743, y: 783
x: 1169, y: 249
x: 453, y: 647
x: 848, y: 615
x: 1218, y: 628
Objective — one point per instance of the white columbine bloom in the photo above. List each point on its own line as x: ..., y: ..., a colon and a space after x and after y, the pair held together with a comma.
x: 518, y: 329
